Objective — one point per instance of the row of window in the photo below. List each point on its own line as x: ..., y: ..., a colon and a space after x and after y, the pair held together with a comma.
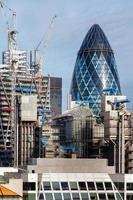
x: 77, y: 186
x: 77, y: 196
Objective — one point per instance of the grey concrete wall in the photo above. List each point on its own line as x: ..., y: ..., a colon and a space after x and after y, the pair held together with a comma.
x: 44, y: 165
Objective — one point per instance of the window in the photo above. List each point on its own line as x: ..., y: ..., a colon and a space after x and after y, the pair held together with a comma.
x: 129, y: 186
x: 108, y: 185
x: 31, y: 196
x: 41, y: 197
x: 119, y: 185
x: 91, y: 186
x: 93, y: 196
x: 29, y: 186
x: 58, y: 196
x: 48, y: 196
x: 47, y: 185
x: 102, y: 196
x: 129, y: 197
x: 84, y: 196
x: 82, y: 185
x: 64, y: 185
x: 120, y: 196
x: 67, y: 196
x: 56, y: 185
x: 100, y: 186
x: 75, y: 196
x: 111, y: 196
x: 73, y: 186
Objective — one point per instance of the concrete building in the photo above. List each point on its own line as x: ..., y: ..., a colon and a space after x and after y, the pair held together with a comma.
x: 63, y: 179
x: 9, y: 185
x: 75, y: 179
x: 118, y: 132
x: 81, y: 131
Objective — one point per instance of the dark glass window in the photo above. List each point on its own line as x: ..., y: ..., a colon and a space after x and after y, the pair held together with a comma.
x: 100, y: 186
x: 102, y: 196
x: 129, y: 197
x: 119, y: 185
x: 41, y: 197
x: 91, y: 186
x: 111, y: 196
x: 84, y: 196
x: 64, y: 185
x: 48, y: 196
x: 56, y: 185
x: 108, y: 185
x: 93, y: 196
x: 73, y: 186
x: 66, y: 196
x: 75, y: 196
x: 82, y: 185
x: 57, y: 196
x: 29, y: 186
x: 129, y: 186
x: 46, y: 185
x: 120, y: 196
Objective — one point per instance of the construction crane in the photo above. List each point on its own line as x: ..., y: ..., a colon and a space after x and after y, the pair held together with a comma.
x: 44, y: 42
x: 8, y: 104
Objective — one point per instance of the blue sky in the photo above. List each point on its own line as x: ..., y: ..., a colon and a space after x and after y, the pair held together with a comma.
x: 74, y: 18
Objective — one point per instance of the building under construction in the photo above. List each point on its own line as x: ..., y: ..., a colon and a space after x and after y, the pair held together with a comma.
x: 26, y: 98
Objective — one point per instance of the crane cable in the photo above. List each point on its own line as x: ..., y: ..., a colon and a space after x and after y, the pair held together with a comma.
x: 45, y: 39
x: 46, y: 35
x: 2, y: 6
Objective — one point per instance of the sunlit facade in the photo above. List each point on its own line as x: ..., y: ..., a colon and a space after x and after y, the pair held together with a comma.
x: 95, y: 70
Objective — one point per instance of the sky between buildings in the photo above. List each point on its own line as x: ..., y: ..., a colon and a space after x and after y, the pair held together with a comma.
x: 74, y: 18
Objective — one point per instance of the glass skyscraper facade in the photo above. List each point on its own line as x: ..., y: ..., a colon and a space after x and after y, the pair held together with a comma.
x: 95, y: 70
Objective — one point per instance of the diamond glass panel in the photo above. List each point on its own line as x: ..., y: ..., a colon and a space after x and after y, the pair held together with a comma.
x: 95, y: 62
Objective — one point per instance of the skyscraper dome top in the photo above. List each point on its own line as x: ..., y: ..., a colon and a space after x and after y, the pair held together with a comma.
x: 95, y: 70
x: 95, y: 39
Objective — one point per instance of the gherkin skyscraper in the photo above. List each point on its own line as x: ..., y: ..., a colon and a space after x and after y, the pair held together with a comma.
x: 95, y: 70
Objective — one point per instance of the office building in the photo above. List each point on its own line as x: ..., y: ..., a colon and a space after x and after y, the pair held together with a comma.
x: 95, y: 70
x: 55, y: 85
x: 81, y: 132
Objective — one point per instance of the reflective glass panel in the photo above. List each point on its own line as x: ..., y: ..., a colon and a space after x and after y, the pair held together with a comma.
x: 57, y: 196
x: 46, y: 185
x: 56, y: 185
x: 75, y: 196
x: 84, y: 196
x: 73, y: 186
x: 66, y: 196
x: 48, y: 196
